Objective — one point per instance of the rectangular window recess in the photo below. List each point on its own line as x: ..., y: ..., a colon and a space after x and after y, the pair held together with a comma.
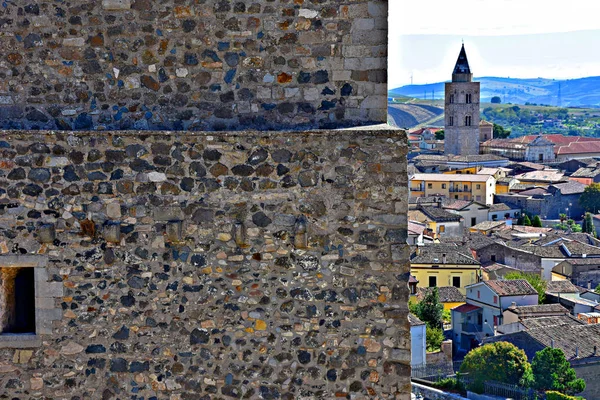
x: 26, y: 301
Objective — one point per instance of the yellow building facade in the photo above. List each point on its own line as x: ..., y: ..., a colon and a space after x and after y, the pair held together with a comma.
x: 475, y: 187
x: 438, y: 265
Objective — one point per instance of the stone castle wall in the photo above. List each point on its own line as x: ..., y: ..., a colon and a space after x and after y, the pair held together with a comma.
x: 192, y: 65
x: 209, y: 266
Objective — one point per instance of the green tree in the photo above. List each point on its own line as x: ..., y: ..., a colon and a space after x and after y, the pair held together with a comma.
x: 496, y: 100
x: 500, y: 132
x: 597, y: 290
x: 537, y: 222
x: 430, y: 310
x: 499, y: 361
x: 433, y: 338
x: 588, y: 225
x: 590, y: 198
x: 526, y: 220
x: 534, y: 280
x: 439, y: 135
x: 563, y: 217
x: 552, y: 371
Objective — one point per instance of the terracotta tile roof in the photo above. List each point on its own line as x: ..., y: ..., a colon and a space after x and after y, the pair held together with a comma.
x: 450, y: 177
x: 550, y: 321
x: 494, y: 266
x: 471, y: 158
x: 586, y: 173
x: 434, y: 254
x: 502, y: 207
x: 533, y: 192
x: 539, y: 167
x: 414, y: 321
x: 541, y: 176
x: 453, y: 204
x: 466, y: 308
x: 415, y: 228
x: 515, y: 287
x: 580, y: 340
x: 575, y: 248
x: 447, y: 294
x: 561, y: 287
x: 571, y: 187
x: 577, y: 341
x: 537, y: 310
x: 488, y: 171
x: 439, y: 214
x: 470, y: 240
x: 489, y: 225
x: 530, y: 229
x: 579, y: 148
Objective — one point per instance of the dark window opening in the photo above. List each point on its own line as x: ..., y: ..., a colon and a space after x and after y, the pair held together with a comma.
x: 432, y: 281
x: 473, y: 221
x: 493, y: 258
x: 450, y: 121
x: 19, y: 300
x: 456, y: 281
x: 468, y: 98
x: 451, y: 98
x: 468, y: 120
x: 541, y: 157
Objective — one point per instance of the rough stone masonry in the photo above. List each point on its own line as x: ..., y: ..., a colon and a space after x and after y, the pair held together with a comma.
x: 199, y: 266
x: 215, y: 263
x: 192, y: 65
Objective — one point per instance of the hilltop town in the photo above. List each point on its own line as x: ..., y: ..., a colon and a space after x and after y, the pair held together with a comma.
x: 497, y: 225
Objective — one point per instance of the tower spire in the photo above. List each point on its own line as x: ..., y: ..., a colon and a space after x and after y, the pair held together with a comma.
x: 462, y: 71
x: 462, y: 64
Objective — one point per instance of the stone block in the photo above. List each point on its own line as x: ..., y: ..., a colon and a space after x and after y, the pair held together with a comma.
x: 40, y: 275
x: 47, y: 303
x: 48, y: 314
x: 50, y: 289
x: 167, y: 213
x: 363, y: 24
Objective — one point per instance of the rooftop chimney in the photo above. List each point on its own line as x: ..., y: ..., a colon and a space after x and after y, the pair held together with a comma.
x: 443, y: 258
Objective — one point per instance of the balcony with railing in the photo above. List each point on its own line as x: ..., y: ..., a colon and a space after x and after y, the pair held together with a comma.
x: 460, y: 189
x: 468, y: 327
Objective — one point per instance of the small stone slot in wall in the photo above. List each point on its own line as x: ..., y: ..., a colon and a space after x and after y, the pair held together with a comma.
x: 246, y: 302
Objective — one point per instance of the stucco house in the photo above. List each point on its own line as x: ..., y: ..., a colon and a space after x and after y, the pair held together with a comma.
x: 483, y: 312
x: 418, y: 342
x: 436, y: 265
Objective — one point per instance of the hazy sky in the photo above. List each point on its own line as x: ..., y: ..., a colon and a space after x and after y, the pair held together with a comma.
x: 516, y: 38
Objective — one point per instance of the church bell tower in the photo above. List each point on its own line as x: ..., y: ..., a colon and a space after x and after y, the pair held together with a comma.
x: 461, y: 108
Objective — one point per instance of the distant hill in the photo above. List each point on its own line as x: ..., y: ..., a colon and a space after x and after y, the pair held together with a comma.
x: 411, y: 115
x: 582, y: 92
